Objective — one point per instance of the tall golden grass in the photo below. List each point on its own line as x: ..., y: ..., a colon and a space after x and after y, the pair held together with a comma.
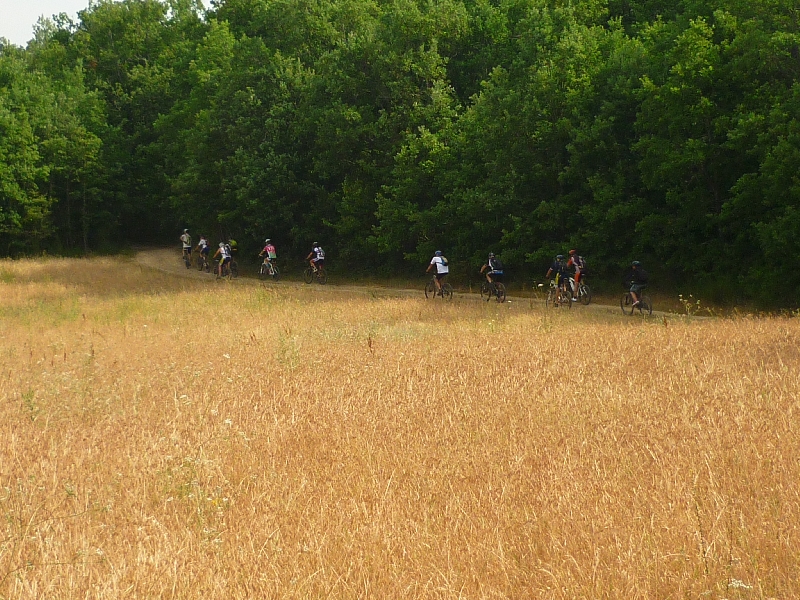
x: 190, y: 439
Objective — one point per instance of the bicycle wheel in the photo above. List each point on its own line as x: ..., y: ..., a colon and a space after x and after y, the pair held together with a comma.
x: 430, y: 290
x: 645, y: 305
x: 187, y: 260
x: 308, y: 275
x: 447, y: 291
x: 500, y: 292
x: 275, y: 273
x: 584, y: 294
x: 234, y: 269
x: 550, y: 300
x: 322, y: 277
x: 566, y: 298
x: 626, y: 303
x: 486, y: 292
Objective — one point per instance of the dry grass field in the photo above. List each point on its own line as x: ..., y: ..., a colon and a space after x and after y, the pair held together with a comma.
x: 178, y: 438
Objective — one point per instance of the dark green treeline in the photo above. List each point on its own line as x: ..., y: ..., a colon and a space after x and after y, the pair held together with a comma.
x: 663, y: 130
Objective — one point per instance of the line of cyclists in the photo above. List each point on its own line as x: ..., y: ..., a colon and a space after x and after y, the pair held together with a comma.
x: 566, y: 271
x: 227, y: 249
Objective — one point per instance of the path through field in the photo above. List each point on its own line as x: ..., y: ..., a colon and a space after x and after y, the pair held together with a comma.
x: 168, y: 260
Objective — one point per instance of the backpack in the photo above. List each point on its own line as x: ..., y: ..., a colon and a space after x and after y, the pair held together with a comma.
x: 496, y: 264
x: 580, y: 263
x: 444, y: 261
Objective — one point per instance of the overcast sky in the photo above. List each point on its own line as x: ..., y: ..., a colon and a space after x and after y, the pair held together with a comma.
x: 17, y: 17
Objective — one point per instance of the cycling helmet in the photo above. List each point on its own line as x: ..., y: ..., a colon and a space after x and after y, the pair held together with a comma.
x: 315, y: 244
x: 491, y: 254
x: 636, y: 263
x: 559, y: 257
x: 222, y: 244
x: 571, y: 252
x: 266, y: 241
x: 184, y: 231
x: 437, y: 253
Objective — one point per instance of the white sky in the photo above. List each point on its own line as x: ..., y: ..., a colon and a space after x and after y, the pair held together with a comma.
x: 17, y: 17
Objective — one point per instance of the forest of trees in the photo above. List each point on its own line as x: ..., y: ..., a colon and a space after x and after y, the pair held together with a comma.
x: 662, y: 130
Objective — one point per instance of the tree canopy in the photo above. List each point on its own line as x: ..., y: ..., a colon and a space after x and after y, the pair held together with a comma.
x: 651, y: 129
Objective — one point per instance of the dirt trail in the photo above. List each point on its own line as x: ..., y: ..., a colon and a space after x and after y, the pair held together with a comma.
x: 168, y: 260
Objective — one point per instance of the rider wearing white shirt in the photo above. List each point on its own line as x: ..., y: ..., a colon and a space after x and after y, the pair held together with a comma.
x: 442, y: 268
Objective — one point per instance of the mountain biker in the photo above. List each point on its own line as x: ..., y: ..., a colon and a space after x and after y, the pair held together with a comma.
x: 316, y: 258
x: 636, y: 277
x: 186, y: 240
x: 442, y: 269
x: 268, y: 253
x: 204, y: 247
x: 559, y: 268
x: 493, y: 269
x: 224, y: 252
x: 578, y: 264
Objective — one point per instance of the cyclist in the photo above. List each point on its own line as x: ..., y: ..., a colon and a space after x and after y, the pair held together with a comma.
x: 224, y: 252
x: 316, y: 258
x: 578, y: 265
x: 559, y: 269
x: 204, y: 247
x: 636, y: 278
x: 493, y: 269
x: 442, y: 269
x: 268, y: 253
x: 186, y: 240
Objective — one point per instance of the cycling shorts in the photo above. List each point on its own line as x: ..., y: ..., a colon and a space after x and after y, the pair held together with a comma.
x: 204, y: 251
x: 637, y: 287
x: 496, y: 275
x: 224, y: 260
x: 320, y: 262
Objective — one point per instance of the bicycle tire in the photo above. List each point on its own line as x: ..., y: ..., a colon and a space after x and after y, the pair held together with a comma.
x: 626, y: 304
x: 187, y: 260
x: 584, y: 294
x: 486, y: 292
x: 275, y: 273
x: 566, y: 298
x: 500, y: 292
x: 308, y: 275
x: 645, y: 305
x: 430, y: 290
x: 322, y: 277
x: 447, y: 291
x: 234, y: 267
x: 550, y: 299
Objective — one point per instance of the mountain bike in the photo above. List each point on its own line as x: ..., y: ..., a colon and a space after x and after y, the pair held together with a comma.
x: 494, y: 290
x: 431, y: 291
x: 584, y: 291
x: 225, y: 271
x: 557, y: 296
x: 202, y: 263
x: 645, y: 305
x: 319, y: 275
x: 268, y: 270
x: 187, y: 257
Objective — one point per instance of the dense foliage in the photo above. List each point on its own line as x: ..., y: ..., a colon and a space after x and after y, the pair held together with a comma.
x: 663, y: 130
